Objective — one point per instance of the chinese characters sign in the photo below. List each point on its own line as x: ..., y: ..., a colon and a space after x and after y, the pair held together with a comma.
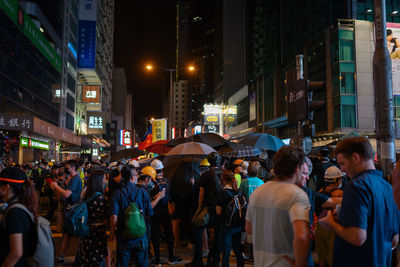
x: 15, y: 122
x: 125, y: 138
x: 87, y: 34
x: 159, y: 130
x: 96, y: 123
x: 28, y: 142
x: 91, y: 94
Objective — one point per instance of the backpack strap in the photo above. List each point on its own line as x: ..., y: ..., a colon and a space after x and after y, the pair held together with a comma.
x: 125, y: 192
x: 17, y: 205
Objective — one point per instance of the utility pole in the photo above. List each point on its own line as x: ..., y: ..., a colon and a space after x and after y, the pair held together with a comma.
x: 382, y: 72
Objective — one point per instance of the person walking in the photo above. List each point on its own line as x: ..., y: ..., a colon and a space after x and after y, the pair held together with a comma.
x: 128, y: 247
x: 278, y: 214
x: 368, y: 222
x: 228, y: 202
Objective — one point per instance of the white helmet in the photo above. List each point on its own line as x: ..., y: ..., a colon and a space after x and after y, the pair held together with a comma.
x: 157, y: 164
x: 333, y: 173
x: 134, y: 163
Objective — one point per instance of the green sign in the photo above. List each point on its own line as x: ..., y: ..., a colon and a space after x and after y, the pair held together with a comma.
x: 28, y: 142
x: 19, y: 17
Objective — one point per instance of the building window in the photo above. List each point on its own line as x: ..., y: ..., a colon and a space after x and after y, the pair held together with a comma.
x: 346, y: 50
x: 71, y: 83
x: 70, y: 102
x: 349, y: 116
x: 69, y: 122
x: 347, y: 83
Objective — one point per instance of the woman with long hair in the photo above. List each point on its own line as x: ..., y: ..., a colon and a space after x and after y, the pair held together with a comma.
x: 93, y: 248
x: 18, y: 232
x: 230, y: 233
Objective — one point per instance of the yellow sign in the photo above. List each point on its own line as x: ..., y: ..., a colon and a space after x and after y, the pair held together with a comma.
x: 159, y: 128
x: 212, y: 118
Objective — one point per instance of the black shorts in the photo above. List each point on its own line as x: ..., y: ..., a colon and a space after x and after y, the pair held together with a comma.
x: 183, y: 209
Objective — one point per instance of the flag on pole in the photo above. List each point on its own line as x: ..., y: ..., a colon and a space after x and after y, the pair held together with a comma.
x: 147, y: 139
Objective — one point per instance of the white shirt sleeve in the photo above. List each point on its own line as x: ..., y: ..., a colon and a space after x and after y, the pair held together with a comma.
x: 300, y: 208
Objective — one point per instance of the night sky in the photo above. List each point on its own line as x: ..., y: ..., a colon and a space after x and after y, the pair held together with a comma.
x: 145, y: 32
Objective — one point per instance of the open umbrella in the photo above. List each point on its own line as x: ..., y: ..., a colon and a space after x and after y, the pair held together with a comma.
x: 177, y: 141
x: 263, y: 141
x: 212, y: 139
x: 127, y: 154
x: 349, y: 135
x: 190, y: 149
x: 230, y: 146
x: 247, y: 151
x: 159, y: 147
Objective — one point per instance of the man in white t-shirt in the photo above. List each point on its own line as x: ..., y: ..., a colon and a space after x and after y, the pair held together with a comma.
x: 278, y: 214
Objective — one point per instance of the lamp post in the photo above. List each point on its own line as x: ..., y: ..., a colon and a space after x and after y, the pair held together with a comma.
x: 190, y: 68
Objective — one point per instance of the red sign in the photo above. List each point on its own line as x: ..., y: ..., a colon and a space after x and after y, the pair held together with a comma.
x: 126, y: 137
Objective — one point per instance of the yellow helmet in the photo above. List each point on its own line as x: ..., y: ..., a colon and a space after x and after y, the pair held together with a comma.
x: 205, y: 162
x: 238, y: 162
x: 150, y: 171
x: 50, y: 163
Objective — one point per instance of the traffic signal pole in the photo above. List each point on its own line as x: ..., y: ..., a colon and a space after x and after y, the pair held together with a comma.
x: 382, y: 73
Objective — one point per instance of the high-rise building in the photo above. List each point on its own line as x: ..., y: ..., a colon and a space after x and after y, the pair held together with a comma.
x: 178, y: 108
x: 95, y: 63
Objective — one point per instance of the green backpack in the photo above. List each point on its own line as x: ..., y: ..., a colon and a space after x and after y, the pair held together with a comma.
x: 135, y: 225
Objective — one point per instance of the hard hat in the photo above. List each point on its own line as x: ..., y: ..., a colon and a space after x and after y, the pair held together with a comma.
x: 332, y: 173
x: 157, y: 164
x: 150, y: 171
x: 214, y: 159
x: 245, y: 165
x: 134, y: 163
x: 204, y: 162
x: 238, y: 162
x: 50, y: 163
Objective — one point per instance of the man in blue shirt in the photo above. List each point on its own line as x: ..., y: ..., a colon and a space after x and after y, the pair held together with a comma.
x: 71, y: 194
x: 137, y: 247
x: 368, y: 224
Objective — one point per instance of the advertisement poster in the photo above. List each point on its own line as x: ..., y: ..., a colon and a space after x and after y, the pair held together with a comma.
x: 393, y: 45
x: 159, y: 130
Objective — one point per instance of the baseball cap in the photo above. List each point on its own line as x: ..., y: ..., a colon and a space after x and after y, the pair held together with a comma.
x: 13, y: 176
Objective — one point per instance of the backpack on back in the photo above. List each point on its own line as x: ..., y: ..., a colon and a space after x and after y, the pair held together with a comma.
x: 43, y: 253
x: 235, y: 211
x: 76, y: 219
x: 135, y: 225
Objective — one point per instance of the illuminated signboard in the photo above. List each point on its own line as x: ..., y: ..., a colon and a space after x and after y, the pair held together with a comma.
x: 125, y: 138
x: 91, y: 94
x: 159, y: 129
x: 28, y: 142
x: 211, y: 119
x: 96, y: 123
x: 73, y: 50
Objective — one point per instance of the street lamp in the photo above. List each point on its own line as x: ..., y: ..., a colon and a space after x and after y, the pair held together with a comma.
x: 190, y: 68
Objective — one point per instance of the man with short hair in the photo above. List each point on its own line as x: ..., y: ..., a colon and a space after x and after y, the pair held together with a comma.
x: 368, y: 224
x: 136, y: 247
x: 71, y: 194
x: 278, y: 214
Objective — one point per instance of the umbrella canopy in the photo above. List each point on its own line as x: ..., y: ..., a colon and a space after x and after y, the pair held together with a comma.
x: 159, y: 147
x: 212, y: 139
x: 231, y: 146
x: 263, y: 141
x: 177, y: 141
x: 190, y: 149
x: 127, y: 154
x: 248, y: 151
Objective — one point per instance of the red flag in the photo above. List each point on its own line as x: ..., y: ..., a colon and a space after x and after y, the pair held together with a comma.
x: 147, y: 139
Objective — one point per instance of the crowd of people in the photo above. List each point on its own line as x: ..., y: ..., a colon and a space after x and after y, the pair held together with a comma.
x: 283, y: 210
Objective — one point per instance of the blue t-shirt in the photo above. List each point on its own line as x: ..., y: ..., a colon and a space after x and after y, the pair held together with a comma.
x: 121, y: 200
x: 75, y: 186
x: 368, y: 204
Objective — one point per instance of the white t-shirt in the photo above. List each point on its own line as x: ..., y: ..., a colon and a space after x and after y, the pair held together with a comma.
x: 272, y: 208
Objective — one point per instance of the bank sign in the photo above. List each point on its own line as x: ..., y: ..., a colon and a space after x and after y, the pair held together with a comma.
x: 33, y: 143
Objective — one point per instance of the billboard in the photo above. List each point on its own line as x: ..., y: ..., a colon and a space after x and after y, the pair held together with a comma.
x: 125, y: 137
x: 159, y: 130
x: 87, y: 34
x: 393, y: 42
x: 96, y: 123
x: 91, y: 94
x: 297, y: 99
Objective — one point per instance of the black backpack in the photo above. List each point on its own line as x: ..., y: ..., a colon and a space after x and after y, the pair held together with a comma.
x: 235, y: 212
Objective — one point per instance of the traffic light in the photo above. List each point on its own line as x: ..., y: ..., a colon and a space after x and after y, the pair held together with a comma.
x: 314, y: 105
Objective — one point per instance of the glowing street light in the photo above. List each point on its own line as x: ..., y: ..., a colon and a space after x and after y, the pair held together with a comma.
x: 191, y: 68
x: 149, y: 67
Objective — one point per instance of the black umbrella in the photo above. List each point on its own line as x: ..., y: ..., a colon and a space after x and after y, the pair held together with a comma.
x: 212, y: 139
x: 127, y: 154
x: 177, y: 141
x: 179, y: 171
